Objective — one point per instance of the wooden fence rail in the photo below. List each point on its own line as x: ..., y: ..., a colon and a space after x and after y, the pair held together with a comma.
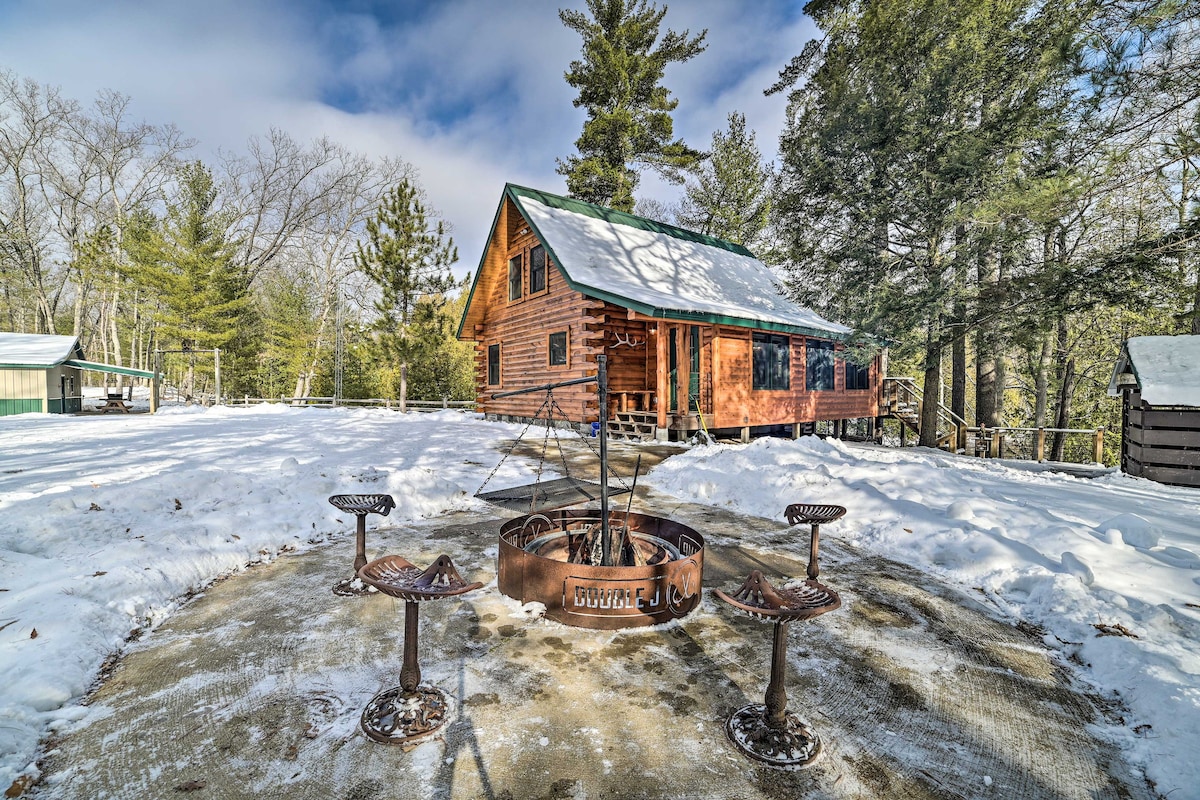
x: 370, y: 402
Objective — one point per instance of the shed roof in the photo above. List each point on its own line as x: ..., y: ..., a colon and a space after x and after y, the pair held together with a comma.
x: 1167, y: 369
x: 661, y: 270
x: 36, y: 351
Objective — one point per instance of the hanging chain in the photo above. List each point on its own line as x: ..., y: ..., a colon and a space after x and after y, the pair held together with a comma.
x: 549, y: 406
x: 587, y: 441
x: 513, y: 446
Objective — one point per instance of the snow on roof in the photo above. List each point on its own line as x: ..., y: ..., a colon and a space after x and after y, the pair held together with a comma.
x: 36, y: 350
x: 663, y: 271
x: 1167, y: 369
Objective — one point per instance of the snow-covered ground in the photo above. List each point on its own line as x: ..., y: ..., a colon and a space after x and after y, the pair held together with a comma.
x: 107, y: 523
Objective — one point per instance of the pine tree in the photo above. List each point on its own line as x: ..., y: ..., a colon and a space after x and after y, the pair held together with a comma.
x: 908, y: 119
x: 629, y: 123
x: 409, y: 257
x: 188, y: 263
x: 730, y: 194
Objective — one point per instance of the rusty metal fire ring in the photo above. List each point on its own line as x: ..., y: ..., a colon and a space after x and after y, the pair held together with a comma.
x: 534, y: 564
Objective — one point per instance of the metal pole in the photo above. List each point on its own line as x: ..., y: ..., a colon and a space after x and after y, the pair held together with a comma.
x: 156, y: 383
x: 775, y: 714
x: 410, y: 669
x: 605, y: 530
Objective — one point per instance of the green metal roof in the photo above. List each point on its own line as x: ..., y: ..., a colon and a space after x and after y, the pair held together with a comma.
x: 96, y: 367
x: 618, y: 283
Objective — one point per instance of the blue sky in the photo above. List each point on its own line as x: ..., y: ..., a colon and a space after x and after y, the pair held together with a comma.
x: 471, y: 92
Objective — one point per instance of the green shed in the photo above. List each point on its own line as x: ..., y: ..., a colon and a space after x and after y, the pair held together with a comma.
x: 35, y: 375
x: 41, y: 373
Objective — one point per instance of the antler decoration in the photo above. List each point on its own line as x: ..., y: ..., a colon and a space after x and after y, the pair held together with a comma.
x: 627, y: 340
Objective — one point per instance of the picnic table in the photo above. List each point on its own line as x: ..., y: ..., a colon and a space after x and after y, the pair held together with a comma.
x: 115, y: 401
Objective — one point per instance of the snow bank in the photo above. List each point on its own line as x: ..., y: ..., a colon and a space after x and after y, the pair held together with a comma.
x: 1067, y: 554
x: 107, y: 523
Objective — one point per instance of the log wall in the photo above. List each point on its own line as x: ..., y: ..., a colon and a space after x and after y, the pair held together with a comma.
x: 738, y: 405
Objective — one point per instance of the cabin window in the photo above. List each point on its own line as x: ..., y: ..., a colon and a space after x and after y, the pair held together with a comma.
x: 514, y: 278
x: 558, y: 349
x: 772, y: 361
x: 493, y: 365
x: 818, y: 371
x: 858, y: 377
x: 537, y: 270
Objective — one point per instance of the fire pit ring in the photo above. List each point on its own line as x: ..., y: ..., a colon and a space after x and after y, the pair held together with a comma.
x: 658, y: 579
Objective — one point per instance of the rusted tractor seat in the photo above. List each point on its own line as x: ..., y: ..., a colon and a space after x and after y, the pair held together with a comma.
x: 815, y: 516
x: 410, y: 713
x: 767, y: 731
x: 359, y: 505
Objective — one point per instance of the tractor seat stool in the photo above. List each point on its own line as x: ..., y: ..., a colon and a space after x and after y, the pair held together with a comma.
x: 767, y: 731
x: 412, y: 712
x: 360, y: 505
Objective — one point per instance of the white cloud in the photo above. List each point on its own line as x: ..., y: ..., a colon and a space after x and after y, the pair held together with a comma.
x: 471, y: 92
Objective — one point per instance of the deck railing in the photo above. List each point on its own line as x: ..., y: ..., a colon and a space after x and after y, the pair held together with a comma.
x: 903, y: 399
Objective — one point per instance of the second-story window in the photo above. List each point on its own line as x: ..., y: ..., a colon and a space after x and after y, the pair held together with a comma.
x: 537, y: 269
x: 514, y: 278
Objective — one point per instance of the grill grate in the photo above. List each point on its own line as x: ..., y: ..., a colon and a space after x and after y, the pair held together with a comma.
x: 547, y: 495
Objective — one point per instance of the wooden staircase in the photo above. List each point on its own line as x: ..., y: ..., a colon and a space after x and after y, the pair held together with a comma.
x: 902, y: 401
x: 633, y: 426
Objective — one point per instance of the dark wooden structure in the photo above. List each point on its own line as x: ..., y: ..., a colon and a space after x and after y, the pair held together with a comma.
x: 697, y: 335
x: 1158, y: 380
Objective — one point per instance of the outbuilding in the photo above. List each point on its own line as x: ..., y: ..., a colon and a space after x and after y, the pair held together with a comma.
x: 41, y: 373
x: 697, y: 334
x: 1158, y: 380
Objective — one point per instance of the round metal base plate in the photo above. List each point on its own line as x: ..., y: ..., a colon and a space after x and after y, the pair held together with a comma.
x: 353, y: 587
x: 794, y: 746
x: 395, y: 718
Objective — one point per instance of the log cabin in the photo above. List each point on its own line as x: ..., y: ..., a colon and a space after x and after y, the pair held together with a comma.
x: 697, y: 332
x: 1158, y: 380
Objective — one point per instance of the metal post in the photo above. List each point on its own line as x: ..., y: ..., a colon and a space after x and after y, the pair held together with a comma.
x: 360, y: 543
x: 410, y: 670
x: 156, y: 382
x: 814, y: 544
x: 606, y: 558
x: 776, y: 695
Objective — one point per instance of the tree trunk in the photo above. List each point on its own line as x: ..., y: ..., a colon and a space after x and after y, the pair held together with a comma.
x: 403, y: 386
x: 1042, y: 382
x: 987, y: 387
x: 933, y: 379
x: 1063, y: 417
x: 958, y: 347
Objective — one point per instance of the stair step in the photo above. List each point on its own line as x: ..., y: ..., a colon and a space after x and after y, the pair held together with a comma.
x: 636, y: 426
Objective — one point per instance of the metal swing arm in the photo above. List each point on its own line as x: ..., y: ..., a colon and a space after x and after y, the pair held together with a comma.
x: 546, y: 387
